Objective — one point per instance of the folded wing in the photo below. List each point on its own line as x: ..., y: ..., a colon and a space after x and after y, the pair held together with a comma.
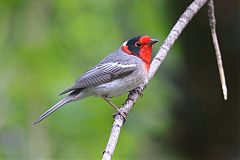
x: 101, y: 74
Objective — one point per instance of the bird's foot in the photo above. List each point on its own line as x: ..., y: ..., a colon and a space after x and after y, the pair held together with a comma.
x: 138, y: 91
x: 122, y: 114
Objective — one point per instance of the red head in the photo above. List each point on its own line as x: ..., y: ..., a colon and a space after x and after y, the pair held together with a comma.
x: 141, y: 47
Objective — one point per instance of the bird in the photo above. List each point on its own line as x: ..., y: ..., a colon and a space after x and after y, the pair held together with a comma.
x: 121, y: 71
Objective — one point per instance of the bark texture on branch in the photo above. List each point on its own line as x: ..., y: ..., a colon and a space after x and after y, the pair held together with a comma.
x: 185, y: 18
x: 212, y: 23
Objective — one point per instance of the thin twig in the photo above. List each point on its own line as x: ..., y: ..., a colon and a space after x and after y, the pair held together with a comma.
x: 212, y: 23
x: 185, y: 18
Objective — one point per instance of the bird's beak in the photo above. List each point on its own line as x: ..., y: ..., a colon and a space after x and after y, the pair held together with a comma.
x: 153, y: 41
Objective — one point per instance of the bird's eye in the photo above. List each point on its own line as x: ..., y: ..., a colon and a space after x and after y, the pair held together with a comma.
x: 138, y: 44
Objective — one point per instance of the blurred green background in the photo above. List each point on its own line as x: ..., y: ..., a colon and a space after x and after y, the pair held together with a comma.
x: 45, y: 45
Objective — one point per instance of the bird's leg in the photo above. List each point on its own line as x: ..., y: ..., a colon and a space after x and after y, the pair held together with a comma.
x: 109, y: 102
x: 114, y: 106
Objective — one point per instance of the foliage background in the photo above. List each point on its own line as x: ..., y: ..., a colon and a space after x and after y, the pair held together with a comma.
x: 45, y: 45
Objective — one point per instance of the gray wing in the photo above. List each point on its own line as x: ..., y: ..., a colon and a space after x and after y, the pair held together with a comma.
x: 103, y: 73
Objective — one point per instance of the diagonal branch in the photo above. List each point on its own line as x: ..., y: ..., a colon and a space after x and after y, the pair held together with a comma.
x: 182, y: 22
x: 212, y: 23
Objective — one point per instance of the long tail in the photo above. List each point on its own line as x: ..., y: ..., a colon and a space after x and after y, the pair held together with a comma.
x: 53, y: 108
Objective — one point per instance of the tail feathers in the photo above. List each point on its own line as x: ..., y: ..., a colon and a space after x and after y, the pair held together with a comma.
x: 53, y: 108
x: 67, y: 90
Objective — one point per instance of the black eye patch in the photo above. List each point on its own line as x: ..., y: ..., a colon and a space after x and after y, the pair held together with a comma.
x: 132, y: 45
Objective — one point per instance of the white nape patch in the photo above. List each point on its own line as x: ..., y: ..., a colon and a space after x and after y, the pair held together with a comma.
x: 125, y: 43
x: 123, y: 65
